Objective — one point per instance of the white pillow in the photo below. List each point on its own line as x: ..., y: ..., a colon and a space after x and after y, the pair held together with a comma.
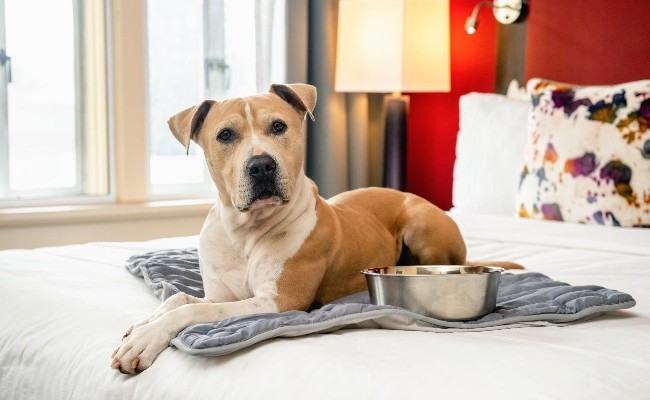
x: 517, y: 92
x: 489, y: 153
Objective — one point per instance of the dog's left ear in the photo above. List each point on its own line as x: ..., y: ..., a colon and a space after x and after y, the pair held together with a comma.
x: 301, y: 96
x: 186, y: 124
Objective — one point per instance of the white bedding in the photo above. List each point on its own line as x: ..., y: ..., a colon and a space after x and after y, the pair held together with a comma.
x: 64, y: 309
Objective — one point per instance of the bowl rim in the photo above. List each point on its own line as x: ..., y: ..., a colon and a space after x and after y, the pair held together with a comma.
x: 491, y: 269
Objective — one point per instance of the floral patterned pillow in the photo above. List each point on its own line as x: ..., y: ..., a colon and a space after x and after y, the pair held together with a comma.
x: 587, y: 158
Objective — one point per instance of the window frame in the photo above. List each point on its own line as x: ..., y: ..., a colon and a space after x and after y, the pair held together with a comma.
x: 128, y: 104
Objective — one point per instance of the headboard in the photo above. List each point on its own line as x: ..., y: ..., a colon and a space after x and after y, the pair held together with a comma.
x: 588, y: 42
x: 574, y: 41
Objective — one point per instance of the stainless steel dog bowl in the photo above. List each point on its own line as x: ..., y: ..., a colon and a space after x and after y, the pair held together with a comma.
x: 447, y: 292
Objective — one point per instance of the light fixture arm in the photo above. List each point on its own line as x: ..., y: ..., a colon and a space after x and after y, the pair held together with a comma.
x: 472, y: 20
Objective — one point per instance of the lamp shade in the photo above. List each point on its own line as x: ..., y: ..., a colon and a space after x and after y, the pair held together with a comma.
x: 393, y: 46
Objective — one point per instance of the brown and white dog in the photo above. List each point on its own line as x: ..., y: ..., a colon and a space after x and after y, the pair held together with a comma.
x: 271, y: 243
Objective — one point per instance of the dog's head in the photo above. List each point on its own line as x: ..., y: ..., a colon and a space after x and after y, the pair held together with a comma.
x: 253, y: 146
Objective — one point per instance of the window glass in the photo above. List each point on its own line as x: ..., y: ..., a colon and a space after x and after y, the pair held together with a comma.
x: 40, y: 113
x: 175, y: 63
x: 42, y: 117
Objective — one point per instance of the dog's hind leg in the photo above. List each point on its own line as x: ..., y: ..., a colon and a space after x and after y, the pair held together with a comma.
x: 431, y: 236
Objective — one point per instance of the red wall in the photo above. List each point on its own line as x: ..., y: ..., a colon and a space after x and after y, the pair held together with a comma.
x: 588, y: 42
x: 433, y: 117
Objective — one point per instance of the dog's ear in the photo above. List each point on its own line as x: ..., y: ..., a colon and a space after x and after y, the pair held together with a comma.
x: 186, y: 124
x: 301, y: 96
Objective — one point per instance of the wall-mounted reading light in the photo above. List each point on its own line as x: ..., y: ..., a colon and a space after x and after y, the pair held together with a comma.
x: 505, y: 11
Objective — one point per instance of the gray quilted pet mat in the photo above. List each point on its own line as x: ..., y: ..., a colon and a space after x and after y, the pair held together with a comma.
x: 526, y: 299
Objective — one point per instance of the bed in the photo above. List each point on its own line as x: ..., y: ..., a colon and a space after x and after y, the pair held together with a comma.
x: 63, y: 310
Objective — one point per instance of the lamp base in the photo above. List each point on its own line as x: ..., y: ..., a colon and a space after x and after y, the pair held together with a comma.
x: 396, y: 109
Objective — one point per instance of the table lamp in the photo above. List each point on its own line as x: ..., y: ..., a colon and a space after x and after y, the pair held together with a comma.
x: 393, y: 46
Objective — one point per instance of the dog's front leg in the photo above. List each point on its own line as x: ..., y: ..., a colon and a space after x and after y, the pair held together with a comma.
x: 220, y: 293
x: 172, y: 303
x: 142, y: 346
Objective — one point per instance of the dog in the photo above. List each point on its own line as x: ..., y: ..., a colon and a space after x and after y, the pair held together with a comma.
x: 271, y: 243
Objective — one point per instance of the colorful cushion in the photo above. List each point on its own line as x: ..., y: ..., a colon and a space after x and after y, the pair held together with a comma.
x: 587, y: 158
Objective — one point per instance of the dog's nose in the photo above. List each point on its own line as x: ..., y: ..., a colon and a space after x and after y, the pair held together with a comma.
x: 261, y: 167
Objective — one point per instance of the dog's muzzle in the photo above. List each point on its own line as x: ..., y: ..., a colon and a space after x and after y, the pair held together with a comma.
x: 262, y: 174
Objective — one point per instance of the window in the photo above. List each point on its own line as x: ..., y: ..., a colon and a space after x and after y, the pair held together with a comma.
x: 53, y: 134
x: 200, y: 49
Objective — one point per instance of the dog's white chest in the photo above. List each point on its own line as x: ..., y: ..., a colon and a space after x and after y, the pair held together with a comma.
x: 240, y: 263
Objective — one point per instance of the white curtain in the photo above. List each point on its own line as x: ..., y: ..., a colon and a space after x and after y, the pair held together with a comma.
x: 270, y: 43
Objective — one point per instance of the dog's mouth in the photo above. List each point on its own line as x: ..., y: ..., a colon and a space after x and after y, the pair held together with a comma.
x: 265, y: 196
x: 266, y: 201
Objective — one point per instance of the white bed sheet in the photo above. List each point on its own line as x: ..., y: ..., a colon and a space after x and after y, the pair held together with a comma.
x: 63, y: 310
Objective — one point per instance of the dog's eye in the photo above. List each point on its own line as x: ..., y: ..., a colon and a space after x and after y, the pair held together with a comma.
x: 278, y: 127
x: 225, y: 136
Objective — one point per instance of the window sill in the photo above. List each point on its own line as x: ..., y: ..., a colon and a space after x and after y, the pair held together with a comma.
x: 34, y: 216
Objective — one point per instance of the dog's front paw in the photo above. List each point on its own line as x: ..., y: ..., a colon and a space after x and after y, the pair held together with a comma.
x: 134, y: 327
x: 140, y: 348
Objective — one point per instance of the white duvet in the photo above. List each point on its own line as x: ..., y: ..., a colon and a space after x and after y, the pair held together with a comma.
x: 64, y: 309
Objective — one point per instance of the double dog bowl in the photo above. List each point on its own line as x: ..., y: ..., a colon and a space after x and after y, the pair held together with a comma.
x: 446, y: 292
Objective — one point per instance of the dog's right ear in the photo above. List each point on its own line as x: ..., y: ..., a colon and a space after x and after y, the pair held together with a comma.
x: 186, y: 124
